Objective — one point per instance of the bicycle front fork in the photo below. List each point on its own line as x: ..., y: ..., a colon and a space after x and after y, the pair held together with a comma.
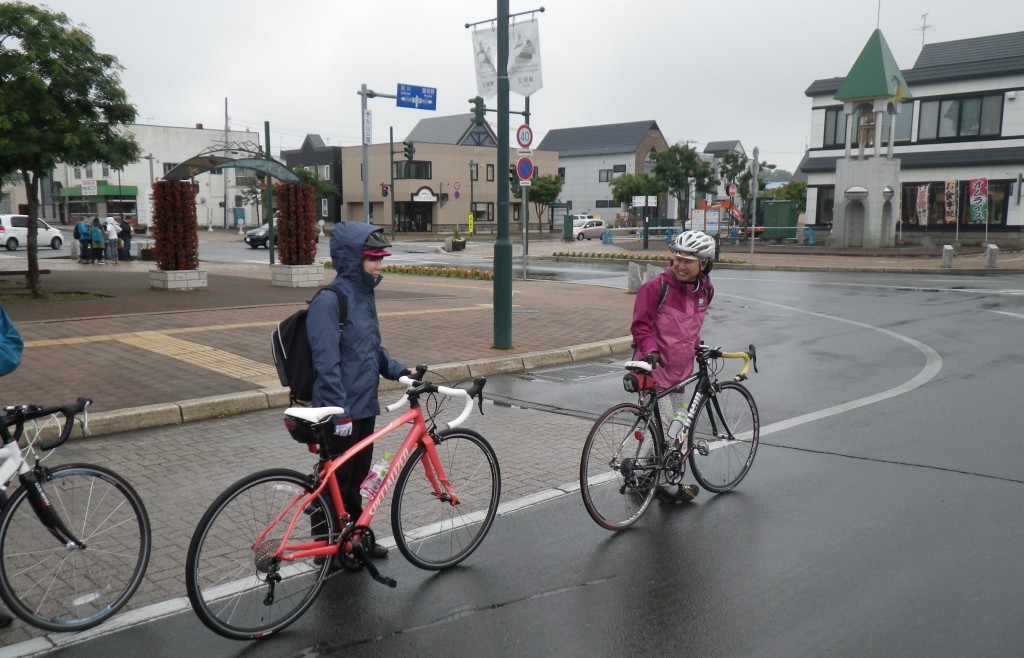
x: 33, y: 483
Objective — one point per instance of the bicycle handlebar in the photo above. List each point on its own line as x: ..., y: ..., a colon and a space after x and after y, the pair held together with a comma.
x: 417, y: 388
x: 18, y: 415
x: 749, y: 358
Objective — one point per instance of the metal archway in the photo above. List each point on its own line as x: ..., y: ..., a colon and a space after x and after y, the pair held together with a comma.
x: 231, y: 155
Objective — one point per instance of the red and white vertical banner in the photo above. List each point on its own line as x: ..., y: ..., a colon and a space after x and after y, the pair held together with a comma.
x: 952, y: 199
x: 977, y: 191
x: 922, y: 205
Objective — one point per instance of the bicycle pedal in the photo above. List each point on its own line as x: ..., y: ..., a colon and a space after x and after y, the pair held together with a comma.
x: 702, y: 448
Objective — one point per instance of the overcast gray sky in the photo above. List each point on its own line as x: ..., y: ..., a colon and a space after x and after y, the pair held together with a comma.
x: 705, y: 70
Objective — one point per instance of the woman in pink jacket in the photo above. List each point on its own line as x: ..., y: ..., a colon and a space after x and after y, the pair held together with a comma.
x: 667, y: 318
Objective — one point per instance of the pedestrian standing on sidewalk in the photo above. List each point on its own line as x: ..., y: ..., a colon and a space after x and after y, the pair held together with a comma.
x: 111, y: 234
x: 350, y: 362
x: 84, y: 241
x: 667, y: 318
x: 126, y: 239
x: 11, y: 345
x: 98, y: 239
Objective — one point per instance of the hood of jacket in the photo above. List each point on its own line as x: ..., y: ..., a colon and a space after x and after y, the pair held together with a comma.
x: 347, y: 240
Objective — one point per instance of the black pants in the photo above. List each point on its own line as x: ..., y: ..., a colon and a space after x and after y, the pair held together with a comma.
x: 353, y: 472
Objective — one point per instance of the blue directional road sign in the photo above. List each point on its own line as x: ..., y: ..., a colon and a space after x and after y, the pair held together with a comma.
x: 420, y: 98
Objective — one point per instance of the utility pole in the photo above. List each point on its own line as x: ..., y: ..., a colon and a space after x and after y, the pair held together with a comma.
x: 224, y: 176
x: 367, y: 124
x: 754, y: 169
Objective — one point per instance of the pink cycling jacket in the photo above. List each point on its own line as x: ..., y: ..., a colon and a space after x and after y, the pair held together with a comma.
x: 673, y: 330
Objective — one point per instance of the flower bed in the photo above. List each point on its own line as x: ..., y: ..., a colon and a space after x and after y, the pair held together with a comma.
x: 449, y: 272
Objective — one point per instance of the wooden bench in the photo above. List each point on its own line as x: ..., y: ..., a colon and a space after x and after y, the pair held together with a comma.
x: 24, y: 273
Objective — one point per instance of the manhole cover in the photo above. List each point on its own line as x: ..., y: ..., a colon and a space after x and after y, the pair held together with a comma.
x: 577, y: 372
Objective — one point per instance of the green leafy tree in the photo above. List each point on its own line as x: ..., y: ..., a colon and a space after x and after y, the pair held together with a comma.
x: 60, y: 101
x: 680, y: 167
x: 255, y: 195
x: 735, y: 168
x: 321, y: 189
x: 795, y: 191
x: 544, y: 191
x: 627, y: 186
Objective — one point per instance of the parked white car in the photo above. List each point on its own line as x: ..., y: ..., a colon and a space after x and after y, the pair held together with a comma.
x: 14, y: 233
x: 584, y: 226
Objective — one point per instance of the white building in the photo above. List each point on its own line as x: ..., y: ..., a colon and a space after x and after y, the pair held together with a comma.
x: 960, y: 127
x: 591, y: 156
x: 98, y: 190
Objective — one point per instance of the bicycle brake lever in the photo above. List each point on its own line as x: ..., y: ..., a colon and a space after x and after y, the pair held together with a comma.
x: 753, y: 356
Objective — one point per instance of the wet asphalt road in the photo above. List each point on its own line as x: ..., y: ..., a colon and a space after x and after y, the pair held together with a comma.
x: 881, y: 516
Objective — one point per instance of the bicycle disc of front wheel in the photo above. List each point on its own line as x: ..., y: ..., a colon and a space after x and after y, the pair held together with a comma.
x: 724, y: 438
x: 66, y: 588
x: 235, y: 585
x: 431, y: 532
x: 619, y: 468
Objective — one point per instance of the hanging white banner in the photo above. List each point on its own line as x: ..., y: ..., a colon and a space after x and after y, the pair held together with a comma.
x: 485, y: 59
x: 524, y: 77
x: 524, y: 72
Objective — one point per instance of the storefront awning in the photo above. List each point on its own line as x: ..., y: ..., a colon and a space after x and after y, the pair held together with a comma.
x: 102, y: 189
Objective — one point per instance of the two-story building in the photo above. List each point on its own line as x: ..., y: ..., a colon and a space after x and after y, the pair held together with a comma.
x: 958, y: 137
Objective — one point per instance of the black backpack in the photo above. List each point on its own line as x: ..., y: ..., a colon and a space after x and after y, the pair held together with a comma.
x: 292, y: 355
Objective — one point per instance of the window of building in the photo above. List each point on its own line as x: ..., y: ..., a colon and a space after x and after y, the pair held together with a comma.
x: 105, y: 169
x: 483, y: 212
x: 245, y: 177
x: 826, y: 202
x: 835, y: 126
x: 88, y: 171
x: 474, y: 171
x: 604, y: 175
x: 619, y: 169
x: 940, y: 211
x: 960, y: 118
x: 415, y: 169
x: 600, y: 203
x: 490, y: 172
x: 325, y: 172
x: 323, y: 207
x: 167, y: 168
x: 78, y: 173
x: 561, y: 175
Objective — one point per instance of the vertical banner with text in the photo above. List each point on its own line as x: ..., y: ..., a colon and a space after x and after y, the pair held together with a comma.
x: 922, y: 205
x: 524, y: 71
x: 977, y: 192
x: 952, y: 199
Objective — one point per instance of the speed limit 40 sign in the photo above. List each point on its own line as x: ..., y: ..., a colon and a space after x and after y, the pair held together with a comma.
x: 524, y: 135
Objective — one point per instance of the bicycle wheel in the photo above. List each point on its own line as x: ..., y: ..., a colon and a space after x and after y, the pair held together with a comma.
x: 724, y: 438
x: 619, y: 470
x: 58, y: 587
x: 236, y: 587
x: 431, y: 532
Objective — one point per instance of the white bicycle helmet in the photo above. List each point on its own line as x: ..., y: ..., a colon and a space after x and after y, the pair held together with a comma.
x: 695, y: 243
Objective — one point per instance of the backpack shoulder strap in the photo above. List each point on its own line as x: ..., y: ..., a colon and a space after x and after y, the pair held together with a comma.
x: 663, y: 295
x: 342, y: 303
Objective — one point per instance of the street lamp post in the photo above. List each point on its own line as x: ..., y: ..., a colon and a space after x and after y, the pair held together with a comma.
x: 754, y: 167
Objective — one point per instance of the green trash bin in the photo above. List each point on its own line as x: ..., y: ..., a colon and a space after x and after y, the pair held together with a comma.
x: 566, y: 228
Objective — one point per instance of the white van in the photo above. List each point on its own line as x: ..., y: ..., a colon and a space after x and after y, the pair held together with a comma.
x: 14, y: 232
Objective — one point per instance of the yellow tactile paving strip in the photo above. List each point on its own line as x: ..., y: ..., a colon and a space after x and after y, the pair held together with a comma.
x: 219, y: 361
x: 225, y: 363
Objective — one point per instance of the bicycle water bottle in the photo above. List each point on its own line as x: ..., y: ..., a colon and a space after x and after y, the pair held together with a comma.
x: 677, y: 424
x: 376, y: 475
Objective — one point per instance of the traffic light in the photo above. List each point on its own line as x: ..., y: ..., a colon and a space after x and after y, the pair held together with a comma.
x: 512, y: 175
x: 410, y: 150
x: 478, y: 110
x: 383, y: 190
